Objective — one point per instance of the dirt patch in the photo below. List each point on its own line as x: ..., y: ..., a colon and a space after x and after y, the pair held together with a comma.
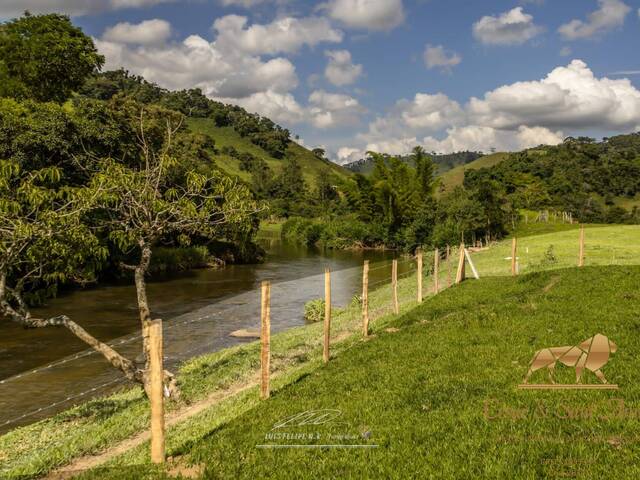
x: 554, y: 281
x: 88, y: 462
x: 177, y: 467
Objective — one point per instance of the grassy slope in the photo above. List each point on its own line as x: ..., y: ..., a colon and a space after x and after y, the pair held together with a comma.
x: 439, y: 395
x: 30, y: 451
x: 312, y: 166
x: 604, y: 245
x: 455, y: 176
x: 89, y: 428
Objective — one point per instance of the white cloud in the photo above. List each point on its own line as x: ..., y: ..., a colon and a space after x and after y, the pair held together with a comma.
x: 198, y: 63
x: 367, y: 14
x: 569, y: 97
x: 242, y: 3
x: 347, y: 155
x: 14, y: 8
x: 533, y: 136
x: 279, y: 107
x: 609, y: 16
x: 510, y: 28
x: 409, y: 119
x: 330, y: 110
x: 149, y: 32
x: 438, y: 57
x: 283, y: 35
x: 340, y: 69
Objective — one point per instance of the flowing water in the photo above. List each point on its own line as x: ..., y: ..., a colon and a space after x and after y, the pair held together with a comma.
x: 48, y: 370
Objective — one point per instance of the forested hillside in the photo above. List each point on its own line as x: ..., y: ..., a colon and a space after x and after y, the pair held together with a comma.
x: 443, y: 162
x: 597, y: 181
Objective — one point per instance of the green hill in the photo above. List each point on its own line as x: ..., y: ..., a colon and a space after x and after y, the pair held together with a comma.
x: 443, y: 162
x: 436, y: 395
x: 454, y: 177
x: 312, y: 166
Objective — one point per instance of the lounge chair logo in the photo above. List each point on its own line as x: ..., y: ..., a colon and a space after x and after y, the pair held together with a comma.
x: 592, y: 355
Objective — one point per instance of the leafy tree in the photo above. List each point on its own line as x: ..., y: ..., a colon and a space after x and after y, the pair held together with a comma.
x: 43, y: 241
x: 319, y: 152
x: 45, y: 57
x: 425, y: 170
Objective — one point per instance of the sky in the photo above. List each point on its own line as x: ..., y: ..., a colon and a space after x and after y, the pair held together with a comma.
x: 386, y: 75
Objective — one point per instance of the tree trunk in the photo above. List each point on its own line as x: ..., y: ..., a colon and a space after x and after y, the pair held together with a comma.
x: 143, y: 303
x: 170, y: 384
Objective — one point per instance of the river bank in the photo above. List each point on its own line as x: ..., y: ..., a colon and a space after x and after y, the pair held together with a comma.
x: 97, y: 425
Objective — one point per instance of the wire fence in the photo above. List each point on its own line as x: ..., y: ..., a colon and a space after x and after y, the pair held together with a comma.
x: 207, y: 332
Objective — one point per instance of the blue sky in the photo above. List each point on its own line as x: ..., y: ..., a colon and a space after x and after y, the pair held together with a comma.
x: 352, y: 75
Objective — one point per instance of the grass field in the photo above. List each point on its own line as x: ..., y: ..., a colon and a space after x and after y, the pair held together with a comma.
x: 437, y: 394
x: 312, y: 166
x: 515, y: 313
x: 604, y: 245
x: 30, y: 451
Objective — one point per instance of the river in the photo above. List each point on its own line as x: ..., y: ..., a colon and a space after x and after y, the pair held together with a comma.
x: 48, y: 370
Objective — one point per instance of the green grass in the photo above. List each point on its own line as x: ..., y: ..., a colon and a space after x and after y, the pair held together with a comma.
x: 312, y: 166
x: 508, y: 310
x: 439, y: 398
x: 455, y: 176
x: 33, y: 450
x: 604, y: 245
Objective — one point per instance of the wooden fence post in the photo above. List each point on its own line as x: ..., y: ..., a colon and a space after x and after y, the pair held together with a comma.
x: 436, y: 272
x: 460, y: 274
x: 265, y: 337
x: 514, y: 256
x: 365, y: 299
x: 581, y: 257
x: 448, y: 266
x: 156, y: 391
x: 394, y: 286
x: 327, y: 314
x: 419, y: 276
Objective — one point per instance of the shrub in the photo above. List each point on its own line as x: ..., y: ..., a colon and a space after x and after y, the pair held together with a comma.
x: 314, y: 310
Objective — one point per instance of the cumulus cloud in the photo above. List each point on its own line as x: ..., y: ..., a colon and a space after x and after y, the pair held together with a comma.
x: 195, y: 62
x: 149, y: 32
x: 609, y: 16
x: 510, y: 28
x: 367, y: 14
x: 533, y: 136
x: 438, y: 57
x: 330, y: 110
x: 279, y: 107
x: 569, y: 99
x: 14, y: 8
x: 347, y: 155
x: 340, y: 69
x: 283, y: 35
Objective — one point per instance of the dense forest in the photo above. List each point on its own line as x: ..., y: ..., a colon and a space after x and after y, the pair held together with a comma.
x: 597, y: 181
x: 443, y: 161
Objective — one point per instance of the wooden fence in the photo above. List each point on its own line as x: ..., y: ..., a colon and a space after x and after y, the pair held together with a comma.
x: 464, y: 260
